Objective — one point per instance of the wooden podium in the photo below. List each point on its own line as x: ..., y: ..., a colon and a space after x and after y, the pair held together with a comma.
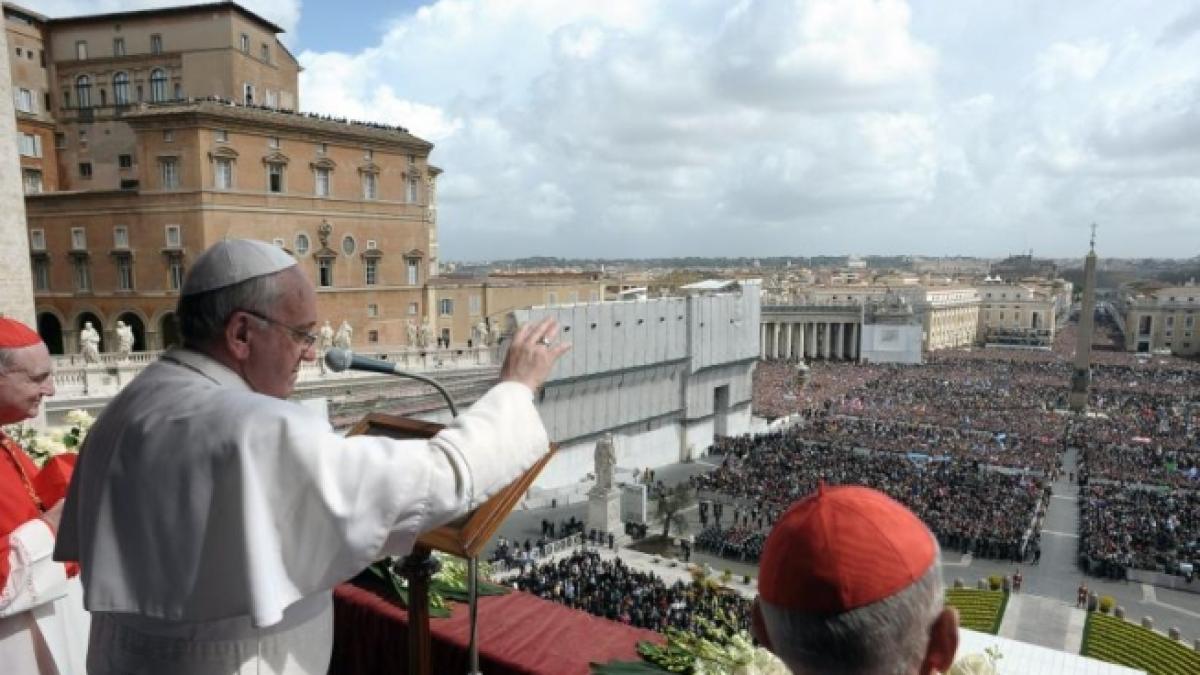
x: 464, y: 537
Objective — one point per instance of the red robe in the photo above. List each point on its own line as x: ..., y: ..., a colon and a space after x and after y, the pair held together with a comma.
x: 17, y: 506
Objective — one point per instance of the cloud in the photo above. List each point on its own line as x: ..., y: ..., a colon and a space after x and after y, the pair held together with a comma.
x: 1065, y: 63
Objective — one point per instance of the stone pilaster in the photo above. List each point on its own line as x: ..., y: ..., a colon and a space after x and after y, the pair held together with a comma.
x: 16, y: 278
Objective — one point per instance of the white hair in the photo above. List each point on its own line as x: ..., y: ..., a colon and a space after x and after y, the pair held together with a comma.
x: 202, y: 316
x: 888, y: 637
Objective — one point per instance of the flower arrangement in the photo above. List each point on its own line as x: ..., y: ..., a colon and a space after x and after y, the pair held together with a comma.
x: 42, y: 444
x: 977, y: 664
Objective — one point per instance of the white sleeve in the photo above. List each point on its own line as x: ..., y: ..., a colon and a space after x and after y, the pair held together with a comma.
x: 478, y: 454
x: 33, y: 577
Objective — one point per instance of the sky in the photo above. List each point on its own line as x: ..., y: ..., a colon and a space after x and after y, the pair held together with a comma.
x: 649, y: 128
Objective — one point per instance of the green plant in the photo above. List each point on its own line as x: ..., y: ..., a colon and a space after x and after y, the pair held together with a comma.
x: 1118, y: 641
x: 1107, y: 602
x: 670, y: 506
x: 978, y: 610
x: 747, y: 579
x: 727, y: 575
x: 995, y: 582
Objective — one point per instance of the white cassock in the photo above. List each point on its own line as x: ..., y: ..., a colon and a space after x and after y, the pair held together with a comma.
x: 43, y: 627
x: 212, y: 523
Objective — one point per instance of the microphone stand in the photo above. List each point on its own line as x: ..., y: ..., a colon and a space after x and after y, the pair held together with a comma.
x: 472, y: 562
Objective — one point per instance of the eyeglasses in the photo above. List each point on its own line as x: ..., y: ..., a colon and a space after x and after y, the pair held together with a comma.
x: 301, y: 336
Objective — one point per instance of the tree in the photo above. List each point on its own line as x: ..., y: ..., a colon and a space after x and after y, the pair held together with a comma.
x: 671, y: 503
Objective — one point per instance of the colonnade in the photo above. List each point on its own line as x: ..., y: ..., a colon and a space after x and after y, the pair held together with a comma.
x: 809, y: 340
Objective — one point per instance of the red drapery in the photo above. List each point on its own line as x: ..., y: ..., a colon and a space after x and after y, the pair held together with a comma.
x: 519, y: 634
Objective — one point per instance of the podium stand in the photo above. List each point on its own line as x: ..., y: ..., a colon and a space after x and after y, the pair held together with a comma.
x: 464, y: 537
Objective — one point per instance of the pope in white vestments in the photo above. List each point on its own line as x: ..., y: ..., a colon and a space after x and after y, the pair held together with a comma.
x: 212, y: 521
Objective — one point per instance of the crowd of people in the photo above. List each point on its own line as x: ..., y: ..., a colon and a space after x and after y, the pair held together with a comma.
x: 969, y: 507
x: 611, y: 589
x: 966, y: 409
x: 1151, y: 529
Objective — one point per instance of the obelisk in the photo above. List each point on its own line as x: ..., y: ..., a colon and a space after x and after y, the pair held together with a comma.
x: 1082, y: 375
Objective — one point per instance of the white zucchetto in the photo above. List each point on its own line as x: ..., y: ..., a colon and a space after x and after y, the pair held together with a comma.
x: 233, y: 261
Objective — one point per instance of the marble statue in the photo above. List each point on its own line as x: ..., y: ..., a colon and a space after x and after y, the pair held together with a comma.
x: 89, y: 343
x: 124, y: 339
x: 410, y: 330
x: 426, y: 334
x: 324, y: 342
x: 606, y: 462
x: 495, y: 333
x: 344, y: 336
x: 480, y: 334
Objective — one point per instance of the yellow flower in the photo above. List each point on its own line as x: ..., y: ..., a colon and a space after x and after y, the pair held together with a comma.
x: 974, y: 664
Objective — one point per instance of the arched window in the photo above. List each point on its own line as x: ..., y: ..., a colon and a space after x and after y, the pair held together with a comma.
x: 121, y: 88
x: 158, y: 85
x: 83, y: 91
x: 302, y: 244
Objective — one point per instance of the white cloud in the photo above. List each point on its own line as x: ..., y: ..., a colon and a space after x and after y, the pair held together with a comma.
x: 1066, y: 63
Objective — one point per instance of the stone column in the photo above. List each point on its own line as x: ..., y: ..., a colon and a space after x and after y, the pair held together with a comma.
x: 839, y: 340
x: 787, y: 340
x: 775, y: 341
x: 800, y: 338
x: 854, y: 342
x: 826, y: 350
x: 16, y: 276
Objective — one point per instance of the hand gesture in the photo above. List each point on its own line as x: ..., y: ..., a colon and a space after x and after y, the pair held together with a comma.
x: 532, y: 354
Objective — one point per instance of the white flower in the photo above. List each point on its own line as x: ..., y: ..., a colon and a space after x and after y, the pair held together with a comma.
x: 81, y: 419
x: 974, y: 664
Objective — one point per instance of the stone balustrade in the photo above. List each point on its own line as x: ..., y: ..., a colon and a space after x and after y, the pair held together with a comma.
x: 75, y: 379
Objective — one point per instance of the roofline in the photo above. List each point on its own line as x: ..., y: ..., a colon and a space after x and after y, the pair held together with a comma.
x: 29, y: 12
x: 181, y: 9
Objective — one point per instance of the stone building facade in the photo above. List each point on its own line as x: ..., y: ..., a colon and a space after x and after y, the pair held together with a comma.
x: 1160, y: 319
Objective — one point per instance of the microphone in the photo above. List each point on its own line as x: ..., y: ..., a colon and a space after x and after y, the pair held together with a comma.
x: 339, y: 360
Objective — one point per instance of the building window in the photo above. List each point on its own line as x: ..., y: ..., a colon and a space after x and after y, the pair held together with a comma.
x: 322, y: 182
x: 121, y: 88
x: 221, y: 135
x: 37, y: 240
x: 31, y: 145
x: 174, y: 236
x: 273, y: 142
x: 371, y: 271
x: 168, y: 136
x: 85, y: 169
x: 156, y: 45
x: 125, y: 161
x: 266, y: 52
x: 41, y: 275
x: 120, y: 237
x: 348, y: 245
x: 248, y: 93
x: 275, y: 177
x: 322, y: 148
x: 60, y: 140
x: 370, y: 185
x: 373, y: 336
x: 169, y: 172
x: 118, y: 46
x: 124, y: 273
x: 245, y: 43
x: 413, y: 308
x: 158, y: 85
x: 325, y: 270
x: 81, y: 50
x: 414, y: 272
x: 373, y: 310
x: 446, y: 307
x: 83, y: 91
x: 83, y: 275
x: 475, y: 305
x: 302, y: 244
x: 175, y: 274
x: 223, y: 176
x: 78, y: 239
x: 411, y: 197
x: 25, y: 101
x: 32, y: 179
